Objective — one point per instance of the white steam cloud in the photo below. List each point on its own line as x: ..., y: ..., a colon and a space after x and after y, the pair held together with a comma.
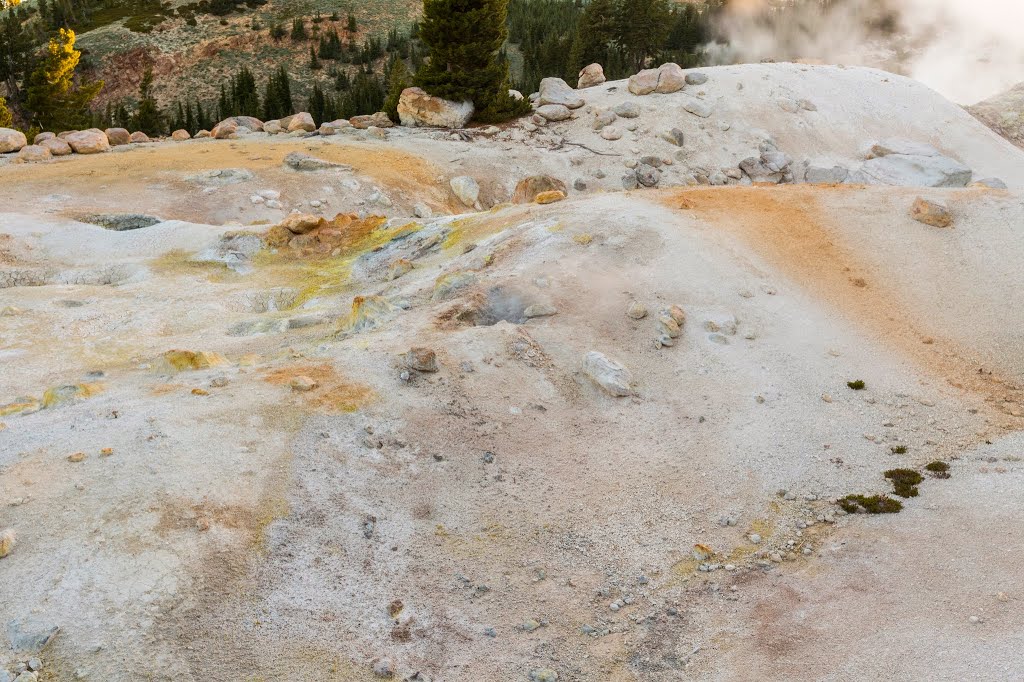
x: 967, y: 50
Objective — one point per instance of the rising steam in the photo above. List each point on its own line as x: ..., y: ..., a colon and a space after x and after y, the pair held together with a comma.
x: 967, y: 50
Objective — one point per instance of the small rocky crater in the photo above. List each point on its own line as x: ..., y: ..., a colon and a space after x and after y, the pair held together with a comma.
x: 121, y: 222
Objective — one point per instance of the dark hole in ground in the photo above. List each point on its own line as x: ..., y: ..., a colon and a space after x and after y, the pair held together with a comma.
x: 501, y: 303
x: 121, y: 222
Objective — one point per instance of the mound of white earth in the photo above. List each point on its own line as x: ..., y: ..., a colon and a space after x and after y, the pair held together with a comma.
x: 606, y: 437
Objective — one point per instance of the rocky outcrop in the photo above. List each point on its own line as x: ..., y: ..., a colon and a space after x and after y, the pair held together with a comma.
x: 234, y: 125
x: 117, y: 136
x: 11, y: 140
x: 912, y: 171
x: 590, y: 75
x: 417, y: 108
x: 92, y: 141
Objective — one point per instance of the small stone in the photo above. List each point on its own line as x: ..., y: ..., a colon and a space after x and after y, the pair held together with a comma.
x: 76, y: 457
x: 35, y: 664
x: 931, y: 213
x: 974, y: 620
x: 636, y: 310
x: 697, y: 107
x: 543, y: 675
x: 608, y: 374
x: 539, y: 310
x: 611, y: 133
x: 674, y: 136
x: 303, y: 384
x: 421, y: 360
x: 384, y: 668
x: 754, y: 538
x: 696, y: 78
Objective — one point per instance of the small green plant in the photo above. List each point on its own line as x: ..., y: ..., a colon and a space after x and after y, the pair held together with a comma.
x: 870, y: 504
x: 904, y: 481
x: 899, y: 449
x: 938, y: 469
x: 857, y: 385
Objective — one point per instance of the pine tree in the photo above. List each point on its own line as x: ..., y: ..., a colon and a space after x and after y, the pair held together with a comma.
x: 298, y: 29
x: 54, y: 99
x: 351, y: 25
x: 317, y: 104
x: 465, y: 38
x: 594, y: 35
x: 314, y: 63
x: 642, y: 26
x: 278, y: 100
x: 398, y: 80
x: 148, y: 118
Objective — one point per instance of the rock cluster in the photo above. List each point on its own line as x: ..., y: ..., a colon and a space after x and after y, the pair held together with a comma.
x: 665, y: 79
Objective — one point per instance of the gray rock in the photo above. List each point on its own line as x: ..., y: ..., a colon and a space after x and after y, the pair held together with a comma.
x: 467, y: 190
x: 554, y: 112
x: 121, y: 222
x: 557, y: 91
x: 422, y: 211
x: 580, y: 185
x: 823, y: 172
x: 304, y: 162
x: 718, y: 179
x: 629, y: 181
x: 543, y: 675
x: 627, y: 110
x: 604, y: 118
x: 790, y: 106
x: 696, y: 78
x: 384, y: 668
x: 30, y: 638
x: 222, y: 176
x: 648, y: 176
x: 611, y: 133
x: 539, y: 310
x: 674, y: 136
x: 912, y: 171
x: 991, y: 183
x: 608, y: 374
x: 697, y: 107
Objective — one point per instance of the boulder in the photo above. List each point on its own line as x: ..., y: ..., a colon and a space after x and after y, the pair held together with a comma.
x: 671, y: 78
x: 33, y: 152
x: 931, y: 213
x: 696, y: 78
x: 554, y: 112
x: 417, y: 108
x: 467, y: 190
x: 644, y: 82
x: 325, y: 130
x: 301, y: 121
x: 648, y: 176
x: 202, y: 134
x: 224, y: 131
x: 56, y: 146
x: 378, y: 120
x: 516, y: 95
x: 590, y: 75
x: 302, y: 223
x: 90, y: 141
x: 912, y: 171
x: 180, y: 135
x: 117, y: 136
x: 11, y: 140
x: 529, y: 188
x: 608, y: 374
x: 273, y: 128
x: 42, y: 137
x: 64, y: 134
x: 557, y: 91
x: 251, y: 124
x: 139, y: 137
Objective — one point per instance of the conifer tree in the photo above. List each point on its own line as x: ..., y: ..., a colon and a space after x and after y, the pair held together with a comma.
x: 148, y: 118
x: 594, y: 35
x: 314, y: 63
x: 465, y: 38
x: 398, y: 80
x: 6, y: 118
x: 53, y: 97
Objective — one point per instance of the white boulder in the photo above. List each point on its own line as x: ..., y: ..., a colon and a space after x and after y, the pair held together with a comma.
x: 417, y: 108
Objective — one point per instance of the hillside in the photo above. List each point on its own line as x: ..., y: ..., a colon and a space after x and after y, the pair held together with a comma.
x: 444, y: 437
x: 1004, y: 114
